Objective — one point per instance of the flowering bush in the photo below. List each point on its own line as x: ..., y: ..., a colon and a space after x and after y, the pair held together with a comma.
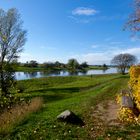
x: 132, y: 114
x: 134, y: 83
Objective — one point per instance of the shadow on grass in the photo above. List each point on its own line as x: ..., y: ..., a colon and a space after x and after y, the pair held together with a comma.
x: 55, y: 95
x: 48, y: 97
x: 57, y: 90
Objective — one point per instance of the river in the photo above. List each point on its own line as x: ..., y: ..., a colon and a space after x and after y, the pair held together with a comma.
x: 30, y: 75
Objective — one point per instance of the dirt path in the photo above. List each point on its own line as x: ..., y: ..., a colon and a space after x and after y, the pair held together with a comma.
x: 107, y: 112
x: 104, y: 116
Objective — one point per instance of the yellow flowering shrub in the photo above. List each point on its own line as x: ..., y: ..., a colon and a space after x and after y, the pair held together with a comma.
x: 134, y: 77
x: 128, y: 114
x: 134, y: 83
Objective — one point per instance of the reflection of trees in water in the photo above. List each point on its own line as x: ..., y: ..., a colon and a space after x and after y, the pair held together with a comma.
x: 26, y: 74
x: 120, y: 71
x: 54, y: 72
x: 57, y: 73
x: 42, y: 73
x: 19, y: 73
x: 104, y: 70
x: 84, y: 72
x: 64, y: 71
x: 30, y: 74
x: 33, y: 74
x: 73, y: 72
x: 76, y: 72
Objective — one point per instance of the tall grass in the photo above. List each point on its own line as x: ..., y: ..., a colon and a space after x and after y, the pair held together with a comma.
x: 17, y: 113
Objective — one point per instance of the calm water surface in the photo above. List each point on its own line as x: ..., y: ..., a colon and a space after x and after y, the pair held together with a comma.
x: 30, y: 75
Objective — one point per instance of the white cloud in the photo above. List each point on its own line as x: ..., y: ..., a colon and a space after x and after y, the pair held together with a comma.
x: 96, y: 58
x: 134, y: 51
x: 84, y: 11
x: 86, y: 14
x: 106, y: 56
x: 73, y: 18
x: 26, y: 57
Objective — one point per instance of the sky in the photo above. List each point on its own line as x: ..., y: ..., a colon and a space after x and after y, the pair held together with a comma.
x: 87, y: 30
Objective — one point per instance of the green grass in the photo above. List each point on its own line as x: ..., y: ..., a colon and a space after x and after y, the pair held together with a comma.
x: 76, y: 93
x: 97, y: 68
x: 29, y: 69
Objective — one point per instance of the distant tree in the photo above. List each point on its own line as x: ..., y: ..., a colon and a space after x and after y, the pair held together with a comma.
x: 12, y: 39
x: 63, y: 65
x: 57, y: 64
x: 33, y: 63
x: 72, y: 64
x: 105, y: 66
x: 43, y: 65
x: 123, y: 61
x: 26, y: 64
x: 84, y: 65
x: 48, y: 65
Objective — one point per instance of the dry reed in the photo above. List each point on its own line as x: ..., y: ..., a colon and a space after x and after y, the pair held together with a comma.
x: 18, y: 113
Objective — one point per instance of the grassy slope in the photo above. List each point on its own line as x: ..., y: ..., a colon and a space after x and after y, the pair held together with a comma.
x: 59, y: 93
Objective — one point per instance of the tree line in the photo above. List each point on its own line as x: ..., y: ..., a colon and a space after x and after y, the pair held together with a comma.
x: 72, y: 64
x: 121, y: 61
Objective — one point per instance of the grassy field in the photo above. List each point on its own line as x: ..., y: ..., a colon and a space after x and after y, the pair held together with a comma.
x: 32, y: 69
x: 77, y: 93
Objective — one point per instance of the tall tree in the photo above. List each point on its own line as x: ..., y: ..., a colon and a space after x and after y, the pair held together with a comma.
x: 12, y: 39
x: 84, y: 65
x: 33, y: 63
x: 73, y: 64
x: 123, y: 61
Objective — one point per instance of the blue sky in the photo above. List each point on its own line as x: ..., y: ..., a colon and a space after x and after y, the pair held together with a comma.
x: 88, y: 30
